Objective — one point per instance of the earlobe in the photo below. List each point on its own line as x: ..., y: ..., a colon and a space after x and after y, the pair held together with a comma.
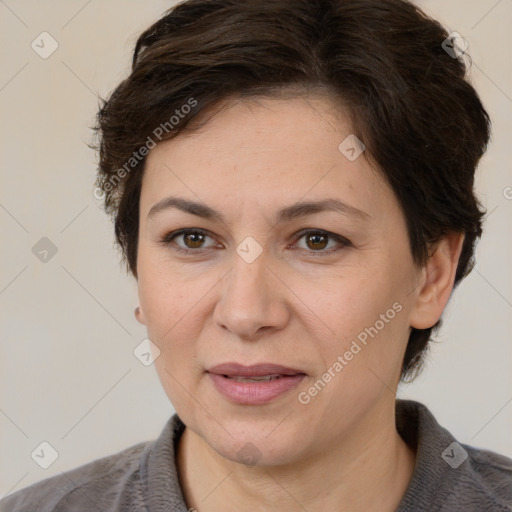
x: 438, y: 278
x: 139, y: 315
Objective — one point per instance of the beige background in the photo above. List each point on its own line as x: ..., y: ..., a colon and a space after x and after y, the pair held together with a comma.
x: 67, y: 372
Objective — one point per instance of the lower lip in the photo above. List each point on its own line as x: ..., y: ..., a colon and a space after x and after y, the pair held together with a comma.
x: 255, y: 393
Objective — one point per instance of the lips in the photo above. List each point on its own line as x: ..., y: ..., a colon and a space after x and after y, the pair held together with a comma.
x: 255, y: 384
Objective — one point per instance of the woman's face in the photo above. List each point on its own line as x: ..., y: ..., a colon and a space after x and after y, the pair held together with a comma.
x: 261, y: 284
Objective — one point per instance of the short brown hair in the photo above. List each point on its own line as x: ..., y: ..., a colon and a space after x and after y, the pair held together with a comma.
x: 409, y: 102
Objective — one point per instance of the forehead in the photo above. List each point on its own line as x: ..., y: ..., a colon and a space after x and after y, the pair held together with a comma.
x: 261, y: 149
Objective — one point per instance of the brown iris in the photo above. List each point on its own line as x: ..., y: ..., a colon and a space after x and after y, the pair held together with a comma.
x: 317, y: 238
x: 196, y: 240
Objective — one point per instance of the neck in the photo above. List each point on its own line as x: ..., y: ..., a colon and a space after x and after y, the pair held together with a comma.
x: 369, y: 469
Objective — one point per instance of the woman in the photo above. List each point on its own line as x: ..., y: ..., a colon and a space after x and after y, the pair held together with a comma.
x: 292, y: 187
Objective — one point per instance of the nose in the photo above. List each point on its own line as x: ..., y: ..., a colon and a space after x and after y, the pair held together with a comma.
x: 252, y: 299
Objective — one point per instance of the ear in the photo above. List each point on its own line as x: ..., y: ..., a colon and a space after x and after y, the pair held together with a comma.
x: 139, y: 315
x: 437, y: 281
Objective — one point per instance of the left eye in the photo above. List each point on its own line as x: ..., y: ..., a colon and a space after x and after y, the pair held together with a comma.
x: 316, y: 241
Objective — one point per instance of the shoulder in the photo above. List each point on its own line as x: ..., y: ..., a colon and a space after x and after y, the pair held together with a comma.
x: 450, y: 475
x: 93, y: 486
x: 490, y: 476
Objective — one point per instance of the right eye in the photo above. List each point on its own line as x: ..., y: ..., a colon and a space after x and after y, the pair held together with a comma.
x: 193, y: 240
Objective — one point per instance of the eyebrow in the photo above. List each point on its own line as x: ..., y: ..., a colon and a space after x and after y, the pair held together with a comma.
x: 296, y: 210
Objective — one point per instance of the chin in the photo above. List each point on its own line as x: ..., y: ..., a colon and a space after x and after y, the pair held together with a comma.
x: 253, y: 444
x: 253, y: 452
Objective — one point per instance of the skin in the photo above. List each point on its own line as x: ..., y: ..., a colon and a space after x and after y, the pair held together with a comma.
x: 291, y: 306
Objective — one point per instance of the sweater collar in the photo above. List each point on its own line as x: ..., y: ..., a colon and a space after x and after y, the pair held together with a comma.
x: 420, y: 430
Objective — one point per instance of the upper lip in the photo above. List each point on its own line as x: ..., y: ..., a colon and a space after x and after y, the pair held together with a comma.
x: 255, y: 370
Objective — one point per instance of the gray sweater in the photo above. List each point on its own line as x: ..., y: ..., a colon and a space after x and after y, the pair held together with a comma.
x: 448, y: 476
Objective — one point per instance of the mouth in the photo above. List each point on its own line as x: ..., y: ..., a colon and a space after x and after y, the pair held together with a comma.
x: 263, y: 378
x: 255, y: 384
x: 256, y: 372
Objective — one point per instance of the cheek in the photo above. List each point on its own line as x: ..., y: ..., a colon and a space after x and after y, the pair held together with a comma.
x: 174, y: 320
x: 361, y: 363
x: 166, y: 297
x: 366, y: 313
x: 172, y: 316
x: 175, y: 310
x: 353, y: 300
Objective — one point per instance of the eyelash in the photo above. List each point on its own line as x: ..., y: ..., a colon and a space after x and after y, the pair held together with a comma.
x: 342, y: 241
